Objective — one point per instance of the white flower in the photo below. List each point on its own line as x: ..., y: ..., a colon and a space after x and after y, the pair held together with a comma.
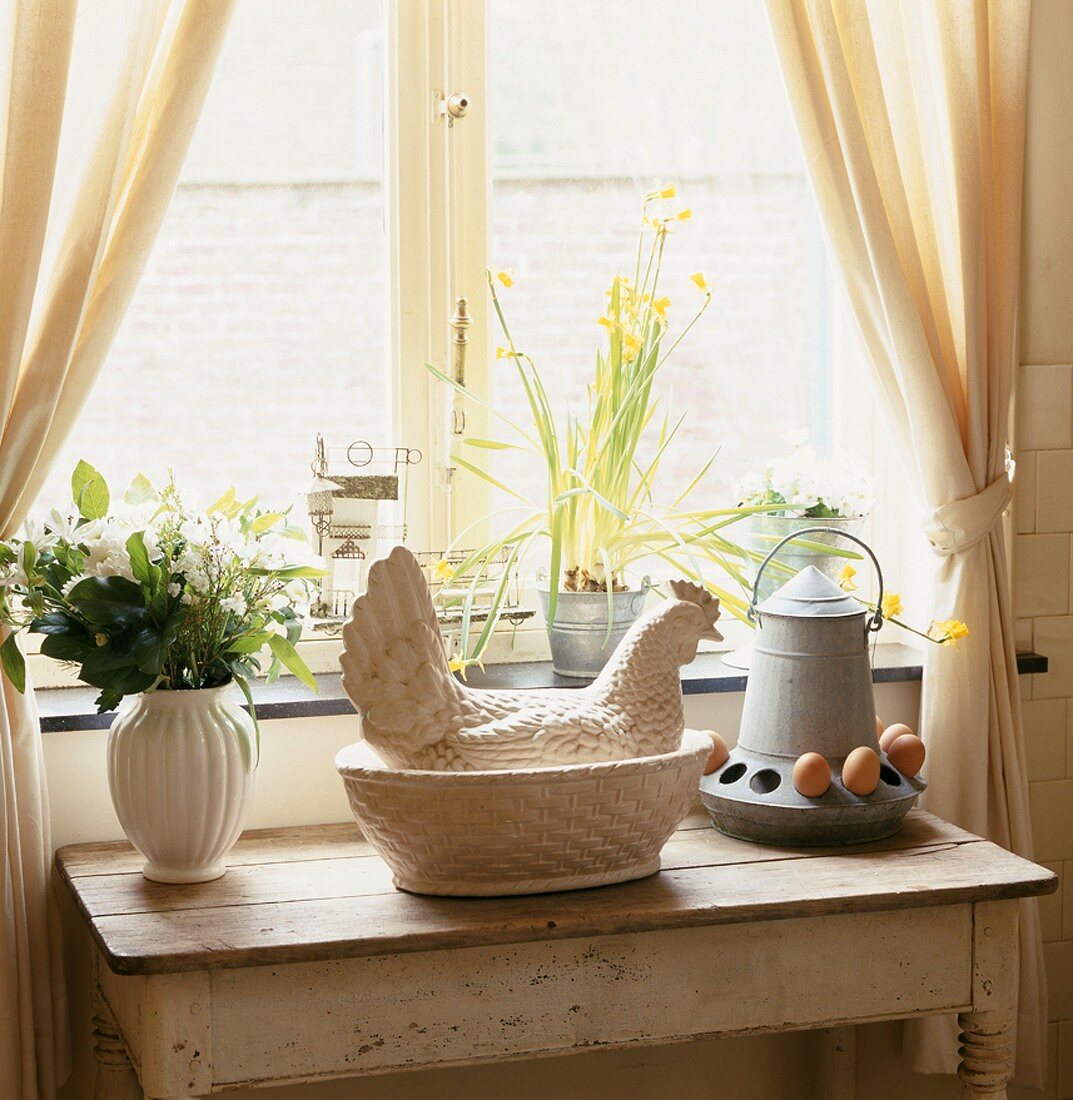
x: 174, y: 589
x: 804, y: 481
x: 235, y: 605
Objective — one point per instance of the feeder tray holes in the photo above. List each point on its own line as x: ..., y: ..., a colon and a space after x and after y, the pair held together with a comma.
x: 733, y: 773
x: 889, y: 776
x: 765, y: 781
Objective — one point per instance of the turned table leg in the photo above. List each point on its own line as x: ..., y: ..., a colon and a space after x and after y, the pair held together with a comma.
x: 987, y: 1029
x: 116, y: 1079
x: 986, y: 1054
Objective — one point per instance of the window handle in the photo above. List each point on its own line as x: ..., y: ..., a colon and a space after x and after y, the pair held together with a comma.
x: 454, y: 106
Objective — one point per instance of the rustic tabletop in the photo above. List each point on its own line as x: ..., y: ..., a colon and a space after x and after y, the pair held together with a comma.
x: 320, y: 892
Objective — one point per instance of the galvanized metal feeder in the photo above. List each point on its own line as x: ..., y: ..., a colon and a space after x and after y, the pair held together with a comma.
x: 809, y: 690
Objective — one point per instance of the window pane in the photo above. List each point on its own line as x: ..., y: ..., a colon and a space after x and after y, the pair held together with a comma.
x: 582, y: 125
x: 261, y: 318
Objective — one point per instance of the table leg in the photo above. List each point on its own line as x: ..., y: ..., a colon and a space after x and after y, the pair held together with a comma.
x: 116, y: 1079
x: 986, y: 1054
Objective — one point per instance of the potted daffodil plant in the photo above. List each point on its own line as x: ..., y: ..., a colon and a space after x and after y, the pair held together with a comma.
x: 597, y: 514
x: 172, y: 607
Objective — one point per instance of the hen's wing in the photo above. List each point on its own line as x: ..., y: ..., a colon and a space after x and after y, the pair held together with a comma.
x: 545, y: 737
x: 394, y: 666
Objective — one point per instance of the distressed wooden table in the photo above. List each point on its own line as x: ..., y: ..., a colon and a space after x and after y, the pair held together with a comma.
x: 303, y: 963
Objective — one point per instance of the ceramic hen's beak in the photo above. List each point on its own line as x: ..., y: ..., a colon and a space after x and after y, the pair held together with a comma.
x: 711, y: 635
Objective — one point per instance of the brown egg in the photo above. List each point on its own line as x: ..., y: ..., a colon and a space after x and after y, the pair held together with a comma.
x: 812, y: 775
x: 860, y: 772
x: 891, y: 734
x: 719, y: 754
x: 907, y: 753
x: 879, y: 726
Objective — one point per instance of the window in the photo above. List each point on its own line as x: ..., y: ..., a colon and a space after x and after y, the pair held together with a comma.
x: 262, y: 317
x: 335, y: 205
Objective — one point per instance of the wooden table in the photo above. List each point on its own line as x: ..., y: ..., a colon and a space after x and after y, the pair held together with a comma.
x: 303, y: 963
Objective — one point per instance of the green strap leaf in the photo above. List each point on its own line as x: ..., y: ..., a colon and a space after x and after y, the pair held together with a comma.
x: 287, y: 655
x: 13, y: 662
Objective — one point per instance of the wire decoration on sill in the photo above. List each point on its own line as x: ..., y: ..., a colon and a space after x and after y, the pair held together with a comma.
x: 356, y: 503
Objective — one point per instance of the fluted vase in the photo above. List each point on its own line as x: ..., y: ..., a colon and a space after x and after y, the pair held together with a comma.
x: 182, y: 767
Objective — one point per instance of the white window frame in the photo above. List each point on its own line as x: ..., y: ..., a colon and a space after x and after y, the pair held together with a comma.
x: 438, y: 233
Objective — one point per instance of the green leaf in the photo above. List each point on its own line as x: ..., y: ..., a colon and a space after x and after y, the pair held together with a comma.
x: 493, y: 444
x: 141, y: 490
x: 108, y: 700
x: 104, y: 600
x: 288, y: 657
x: 245, y: 688
x: 290, y: 572
x: 139, y: 558
x: 13, y: 662
x: 249, y: 643
x: 67, y: 647
x: 57, y: 622
x: 89, y: 491
x: 225, y: 502
x: 263, y: 523
x: 151, y: 646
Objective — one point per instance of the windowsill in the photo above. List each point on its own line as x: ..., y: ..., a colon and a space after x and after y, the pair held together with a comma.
x: 71, y: 708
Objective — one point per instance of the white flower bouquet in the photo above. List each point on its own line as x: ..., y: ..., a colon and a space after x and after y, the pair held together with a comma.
x: 148, y: 595
x: 811, y: 487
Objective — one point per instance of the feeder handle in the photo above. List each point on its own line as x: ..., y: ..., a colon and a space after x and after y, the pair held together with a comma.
x: 876, y: 620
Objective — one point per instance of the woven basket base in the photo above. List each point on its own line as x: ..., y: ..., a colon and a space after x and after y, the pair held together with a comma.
x: 534, y: 886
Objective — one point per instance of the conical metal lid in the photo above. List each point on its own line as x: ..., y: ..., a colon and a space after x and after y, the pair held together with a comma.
x: 811, y: 595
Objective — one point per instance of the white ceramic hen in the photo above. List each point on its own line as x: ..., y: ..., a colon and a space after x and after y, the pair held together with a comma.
x: 416, y: 714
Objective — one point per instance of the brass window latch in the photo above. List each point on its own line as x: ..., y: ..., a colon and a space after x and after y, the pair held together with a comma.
x: 459, y: 342
x: 454, y: 106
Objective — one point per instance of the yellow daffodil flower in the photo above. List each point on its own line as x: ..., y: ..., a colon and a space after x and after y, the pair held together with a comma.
x: 667, y: 192
x: 700, y: 282
x: 456, y: 664
x: 506, y: 278
x: 892, y: 605
x: 443, y: 570
x: 506, y: 353
x: 845, y: 578
x: 660, y: 305
x: 684, y: 215
x: 949, y: 631
x: 632, y: 343
x: 606, y: 322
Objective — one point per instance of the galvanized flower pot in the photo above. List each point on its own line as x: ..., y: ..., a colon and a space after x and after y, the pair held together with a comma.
x: 764, y: 530
x: 809, y: 690
x: 580, y: 637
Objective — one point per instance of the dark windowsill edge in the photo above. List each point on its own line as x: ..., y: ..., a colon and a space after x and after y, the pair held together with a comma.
x: 71, y: 708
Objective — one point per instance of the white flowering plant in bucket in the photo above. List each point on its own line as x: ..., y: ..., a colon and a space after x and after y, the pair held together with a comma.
x: 810, y: 487
x: 148, y: 595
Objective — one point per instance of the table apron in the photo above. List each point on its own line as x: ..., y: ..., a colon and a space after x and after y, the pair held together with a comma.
x: 305, y: 1021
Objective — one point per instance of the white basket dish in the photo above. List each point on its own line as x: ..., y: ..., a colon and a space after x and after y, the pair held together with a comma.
x: 528, y: 831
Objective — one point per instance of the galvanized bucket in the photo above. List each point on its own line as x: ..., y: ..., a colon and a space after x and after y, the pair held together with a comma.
x: 581, y: 643
x: 764, y: 530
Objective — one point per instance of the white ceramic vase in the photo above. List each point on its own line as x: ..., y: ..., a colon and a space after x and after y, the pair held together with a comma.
x: 181, y: 768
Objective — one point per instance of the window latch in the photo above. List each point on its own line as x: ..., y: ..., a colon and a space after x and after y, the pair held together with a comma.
x: 454, y: 106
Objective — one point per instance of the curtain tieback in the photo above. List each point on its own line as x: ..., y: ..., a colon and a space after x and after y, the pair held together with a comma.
x: 963, y: 523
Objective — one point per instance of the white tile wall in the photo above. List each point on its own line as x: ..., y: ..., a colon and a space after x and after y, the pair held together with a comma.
x: 1043, y: 593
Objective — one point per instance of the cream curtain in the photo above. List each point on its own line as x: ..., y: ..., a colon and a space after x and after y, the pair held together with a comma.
x: 55, y: 329
x: 912, y: 117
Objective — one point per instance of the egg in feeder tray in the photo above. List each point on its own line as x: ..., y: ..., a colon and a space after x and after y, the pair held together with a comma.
x: 809, y: 768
